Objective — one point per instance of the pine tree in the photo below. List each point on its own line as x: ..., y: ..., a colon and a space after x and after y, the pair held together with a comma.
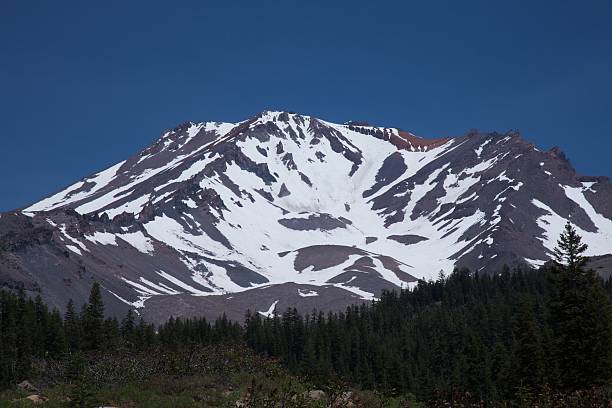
x: 127, y: 329
x: 501, y: 369
x: 528, y: 353
x: 55, y: 336
x: 111, y: 334
x: 570, y: 250
x: 93, y: 319
x: 72, y: 328
x: 26, y: 328
x: 9, y: 340
x: 40, y: 326
x: 580, y: 317
x: 475, y: 373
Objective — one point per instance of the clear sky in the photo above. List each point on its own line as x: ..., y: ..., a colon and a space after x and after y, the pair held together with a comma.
x: 86, y: 84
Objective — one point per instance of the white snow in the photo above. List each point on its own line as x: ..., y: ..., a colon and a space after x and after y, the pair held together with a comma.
x: 356, y: 290
x: 535, y: 263
x: 78, y: 243
x: 137, y: 304
x: 181, y: 284
x: 481, y: 147
x: 139, y: 241
x: 133, y: 207
x: 553, y: 225
x: 271, y: 310
x: 103, y: 238
x: 190, y: 203
x: 141, y: 288
x: 159, y: 287
x: 74, y: 249
x: 65, y: 197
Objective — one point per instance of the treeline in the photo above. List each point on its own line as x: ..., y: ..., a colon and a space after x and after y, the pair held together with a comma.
x: 512, y: 336
x: 515, y: 335
x: 30, y: 332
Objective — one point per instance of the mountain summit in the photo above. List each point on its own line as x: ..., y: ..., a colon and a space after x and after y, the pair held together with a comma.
x: 287, y: 209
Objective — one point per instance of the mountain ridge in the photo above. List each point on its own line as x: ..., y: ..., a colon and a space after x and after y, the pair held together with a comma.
x: 214, y: 209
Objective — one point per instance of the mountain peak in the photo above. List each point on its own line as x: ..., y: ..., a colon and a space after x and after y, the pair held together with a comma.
x: 283, y: 204
x: 276, y: 115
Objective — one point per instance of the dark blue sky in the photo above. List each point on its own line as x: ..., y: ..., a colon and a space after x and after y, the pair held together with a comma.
x: 86, y: 84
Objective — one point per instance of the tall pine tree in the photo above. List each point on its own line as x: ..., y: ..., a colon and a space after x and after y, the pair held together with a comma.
x: 580, y: 317
x: 528, y: 352
x: 93, y: 319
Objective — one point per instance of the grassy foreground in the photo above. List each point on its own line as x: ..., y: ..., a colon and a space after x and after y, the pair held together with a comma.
x: 220, y: 376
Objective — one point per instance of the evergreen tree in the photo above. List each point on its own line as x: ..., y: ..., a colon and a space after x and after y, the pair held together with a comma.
x: 72, y: 327
x: 111, y: 334
x: 55, y: 337
x: 580, y: 316
x: 93, y: 320
x: 128, y: 328
x: 528, y: 352
x: 9, y: 350
x: 40, y: 326
x: 570, y: 249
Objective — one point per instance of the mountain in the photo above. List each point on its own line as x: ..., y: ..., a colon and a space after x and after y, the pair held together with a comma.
x: 286, y: 209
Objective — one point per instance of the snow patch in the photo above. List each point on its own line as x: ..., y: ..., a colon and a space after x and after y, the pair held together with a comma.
x: 271, y: 310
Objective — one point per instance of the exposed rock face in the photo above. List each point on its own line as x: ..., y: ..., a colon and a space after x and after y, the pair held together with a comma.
x: 284, y: 209
x: 320, y: 222
x: 407, y: 239
x: 602, y: 265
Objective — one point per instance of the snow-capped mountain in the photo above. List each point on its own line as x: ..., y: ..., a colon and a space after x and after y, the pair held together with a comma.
x: 285, y: 209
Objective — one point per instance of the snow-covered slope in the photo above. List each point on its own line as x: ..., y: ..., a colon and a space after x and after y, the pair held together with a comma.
x: 290, y: 201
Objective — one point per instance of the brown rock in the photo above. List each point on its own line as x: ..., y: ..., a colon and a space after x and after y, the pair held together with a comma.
x: 344, y: 400
x: 27, y: 386
x: 316, y: 395
x: 36, y: 399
